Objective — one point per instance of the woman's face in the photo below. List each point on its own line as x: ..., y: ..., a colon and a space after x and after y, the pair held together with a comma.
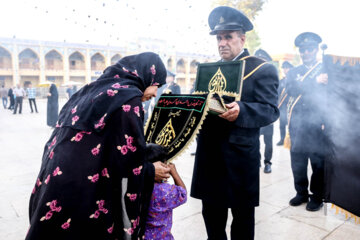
x: 149, y: 93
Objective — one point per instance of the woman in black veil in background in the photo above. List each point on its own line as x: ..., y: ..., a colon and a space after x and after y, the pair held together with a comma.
x: 52, y: 106
x: 95, y: 181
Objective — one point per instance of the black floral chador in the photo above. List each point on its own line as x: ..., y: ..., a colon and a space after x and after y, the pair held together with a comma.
x: 94, y: 181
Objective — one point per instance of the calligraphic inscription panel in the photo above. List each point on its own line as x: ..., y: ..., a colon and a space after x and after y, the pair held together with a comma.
x: 220, y: 77
x: 175, y: 121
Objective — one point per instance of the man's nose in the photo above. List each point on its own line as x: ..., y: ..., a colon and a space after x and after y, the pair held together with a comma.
x: 222, y: 43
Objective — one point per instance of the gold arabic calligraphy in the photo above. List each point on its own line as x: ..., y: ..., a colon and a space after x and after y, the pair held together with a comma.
x: 217, y: 82
x: 166, y: 135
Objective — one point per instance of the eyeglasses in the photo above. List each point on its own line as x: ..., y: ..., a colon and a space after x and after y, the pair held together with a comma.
x: 307, y: 48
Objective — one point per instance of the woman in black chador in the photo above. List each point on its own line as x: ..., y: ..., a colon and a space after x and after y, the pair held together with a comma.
x: 94, y: 182
x: 52, y: 106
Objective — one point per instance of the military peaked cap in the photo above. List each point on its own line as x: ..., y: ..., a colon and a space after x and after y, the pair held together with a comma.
x: 286, y: 64
x: 228, y: 19
x: 263, y: 54
x: 307, y: 38
x: 170, y: 74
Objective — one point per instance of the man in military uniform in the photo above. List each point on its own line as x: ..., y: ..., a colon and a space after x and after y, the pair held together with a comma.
x: 227, y: 161
x: 306, y: 84
x: 283, y: 100
x: 267, y: 131
x: 171, y: 84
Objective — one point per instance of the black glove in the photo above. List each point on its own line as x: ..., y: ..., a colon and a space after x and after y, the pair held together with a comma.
x: 155, y: 152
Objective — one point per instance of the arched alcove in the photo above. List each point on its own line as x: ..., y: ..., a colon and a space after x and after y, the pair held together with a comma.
x: 28, y: 59
x: 54, y: 61
x: 76, y: 61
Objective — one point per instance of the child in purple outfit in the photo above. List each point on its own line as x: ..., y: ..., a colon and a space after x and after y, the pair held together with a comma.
x: 164, y: 199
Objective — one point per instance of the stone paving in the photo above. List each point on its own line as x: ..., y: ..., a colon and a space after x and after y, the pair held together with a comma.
x: 22, y: 138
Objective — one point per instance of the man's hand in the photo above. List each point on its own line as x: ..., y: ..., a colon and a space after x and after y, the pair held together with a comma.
x: 162, y: 171
x: 322, y: 78
x: 232, y: 113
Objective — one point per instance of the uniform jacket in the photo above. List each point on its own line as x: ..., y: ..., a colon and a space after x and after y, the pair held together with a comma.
x: 175, y: 88
x: 283, y: 96
x: 226, y: 169
x: 307, y: 111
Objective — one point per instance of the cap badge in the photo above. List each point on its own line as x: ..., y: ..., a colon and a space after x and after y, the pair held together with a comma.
x: 221, y: 20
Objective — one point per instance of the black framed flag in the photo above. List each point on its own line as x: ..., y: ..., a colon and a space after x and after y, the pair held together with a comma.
x: 175, y: 121
x: 342, y: 166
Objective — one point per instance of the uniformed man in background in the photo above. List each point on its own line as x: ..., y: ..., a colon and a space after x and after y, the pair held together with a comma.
x: 283, y: 100
x: 306, y: 84
x: 267, y: 131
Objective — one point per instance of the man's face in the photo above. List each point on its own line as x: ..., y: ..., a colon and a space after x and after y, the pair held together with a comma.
x: 308, y: 53
x: 230, y: 44
x: 285, y: 71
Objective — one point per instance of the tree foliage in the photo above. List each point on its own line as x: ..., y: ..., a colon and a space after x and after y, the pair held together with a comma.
x: 250, y: 8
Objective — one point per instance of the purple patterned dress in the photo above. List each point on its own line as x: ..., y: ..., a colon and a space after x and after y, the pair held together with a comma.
x: 164, y: 199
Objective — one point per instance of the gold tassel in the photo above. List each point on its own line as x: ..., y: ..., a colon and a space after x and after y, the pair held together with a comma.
x: 352, y: 61
x: 346, y: 213
x: 287, y: 140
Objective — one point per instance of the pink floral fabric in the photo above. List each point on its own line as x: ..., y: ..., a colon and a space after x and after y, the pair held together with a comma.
x: 80, y: 162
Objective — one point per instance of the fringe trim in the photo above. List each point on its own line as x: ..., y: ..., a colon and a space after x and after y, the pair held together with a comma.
x: 346, y: 213
x: 282, y: 100
x: 352, y: 61
x: 287, y: 140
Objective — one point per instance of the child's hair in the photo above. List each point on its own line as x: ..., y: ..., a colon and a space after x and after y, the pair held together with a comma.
x: 155, y: 152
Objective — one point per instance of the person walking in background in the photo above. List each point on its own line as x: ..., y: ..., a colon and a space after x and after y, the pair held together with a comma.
x: 19, y: 93
x: 267, y: 131
x: 52, y: 106
x: 69, y: 91
x: 11, y: 98
x: 164, y: 199
x: 4, y: 95
x: 31, y: 94
x: 283, y: 100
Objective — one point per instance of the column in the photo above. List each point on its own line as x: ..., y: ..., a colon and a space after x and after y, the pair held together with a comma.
x: 66, y: 66
x: 88, y: 66
x: 15, y: 65
x: 42, y: 64
x: 107, y: 59
x: 187, y: 75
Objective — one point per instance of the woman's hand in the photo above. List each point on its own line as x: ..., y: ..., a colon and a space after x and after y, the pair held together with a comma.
x: 162, y: 171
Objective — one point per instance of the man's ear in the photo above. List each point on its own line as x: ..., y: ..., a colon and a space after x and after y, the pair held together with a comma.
x: 243, y: 38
